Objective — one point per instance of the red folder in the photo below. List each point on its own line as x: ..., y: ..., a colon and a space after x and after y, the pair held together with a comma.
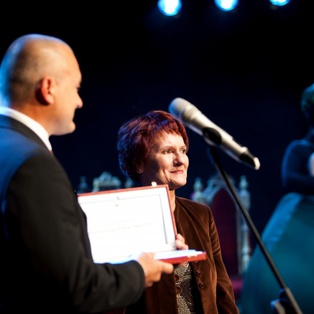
x: 125, y: 222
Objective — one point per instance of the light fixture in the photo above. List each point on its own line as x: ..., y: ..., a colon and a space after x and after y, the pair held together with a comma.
x: 226, y: 5
x: 279, y: 3
x: 169, y: 7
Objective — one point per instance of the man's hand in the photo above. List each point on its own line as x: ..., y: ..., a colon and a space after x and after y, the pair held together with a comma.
x: 153, y: 269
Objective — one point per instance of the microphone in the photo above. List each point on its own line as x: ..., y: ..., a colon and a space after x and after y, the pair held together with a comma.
x: 189, y: 115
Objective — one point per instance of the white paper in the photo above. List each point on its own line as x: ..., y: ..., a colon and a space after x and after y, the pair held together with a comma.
x: 123, y: 223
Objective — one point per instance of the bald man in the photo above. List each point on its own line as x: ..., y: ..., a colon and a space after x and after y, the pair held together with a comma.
x: 46, y: 264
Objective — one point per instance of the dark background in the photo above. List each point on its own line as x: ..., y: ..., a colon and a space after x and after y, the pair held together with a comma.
x: 245, y: 70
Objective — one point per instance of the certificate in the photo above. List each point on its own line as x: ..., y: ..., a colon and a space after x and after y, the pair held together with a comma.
x: 122, y: 223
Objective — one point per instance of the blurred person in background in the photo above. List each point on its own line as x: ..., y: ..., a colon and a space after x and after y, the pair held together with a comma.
x: 289, y: 234
x: 297, y: 165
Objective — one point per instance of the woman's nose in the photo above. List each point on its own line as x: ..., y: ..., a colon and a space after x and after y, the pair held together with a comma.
x: 178, y: 158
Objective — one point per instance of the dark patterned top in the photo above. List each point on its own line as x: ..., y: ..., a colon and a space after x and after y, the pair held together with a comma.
x: 186, y: 290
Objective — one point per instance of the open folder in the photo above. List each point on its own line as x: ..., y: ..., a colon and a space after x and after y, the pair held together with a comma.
x: 125, y: 222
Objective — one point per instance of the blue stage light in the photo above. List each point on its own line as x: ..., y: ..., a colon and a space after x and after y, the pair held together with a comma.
x: 169, y: 7
x: 226, y: 5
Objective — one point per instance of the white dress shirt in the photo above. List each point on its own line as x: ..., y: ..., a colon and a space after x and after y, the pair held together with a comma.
x: 29, y: 122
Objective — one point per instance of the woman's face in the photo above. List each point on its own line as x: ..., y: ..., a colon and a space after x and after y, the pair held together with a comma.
x: 167, y: 162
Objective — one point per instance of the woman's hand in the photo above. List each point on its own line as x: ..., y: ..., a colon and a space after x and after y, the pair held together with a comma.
x: 180, y: 242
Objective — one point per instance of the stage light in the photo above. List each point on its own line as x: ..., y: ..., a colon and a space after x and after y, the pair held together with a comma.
x: 169, y: 7
x: 226, y: 5
x: 279, y: 3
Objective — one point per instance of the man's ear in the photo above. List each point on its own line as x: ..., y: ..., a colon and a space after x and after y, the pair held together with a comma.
x: 45, y: 91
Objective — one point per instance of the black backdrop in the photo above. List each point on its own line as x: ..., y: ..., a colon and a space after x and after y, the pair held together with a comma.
x: 244, y: 70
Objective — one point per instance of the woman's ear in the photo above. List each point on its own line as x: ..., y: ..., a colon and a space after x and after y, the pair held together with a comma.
x: 45, y: 91
x: 139, y: 168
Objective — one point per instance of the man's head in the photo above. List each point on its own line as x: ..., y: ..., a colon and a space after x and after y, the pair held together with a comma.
x: 40, y: 77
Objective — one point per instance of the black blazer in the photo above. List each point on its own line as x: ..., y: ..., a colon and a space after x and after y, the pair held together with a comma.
x: 46, y: 264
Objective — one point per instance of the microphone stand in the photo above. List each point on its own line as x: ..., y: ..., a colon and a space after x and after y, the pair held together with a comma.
x: 286, y: 304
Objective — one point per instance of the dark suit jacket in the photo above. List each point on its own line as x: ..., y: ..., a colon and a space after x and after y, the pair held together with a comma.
x: 46, y: 264
x: 196, y: 223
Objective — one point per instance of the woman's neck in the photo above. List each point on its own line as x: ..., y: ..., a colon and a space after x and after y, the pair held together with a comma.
x: 172, y: 197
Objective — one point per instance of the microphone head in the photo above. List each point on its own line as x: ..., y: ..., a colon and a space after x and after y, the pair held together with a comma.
x: 189, y: 115
x: 178, y: 106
